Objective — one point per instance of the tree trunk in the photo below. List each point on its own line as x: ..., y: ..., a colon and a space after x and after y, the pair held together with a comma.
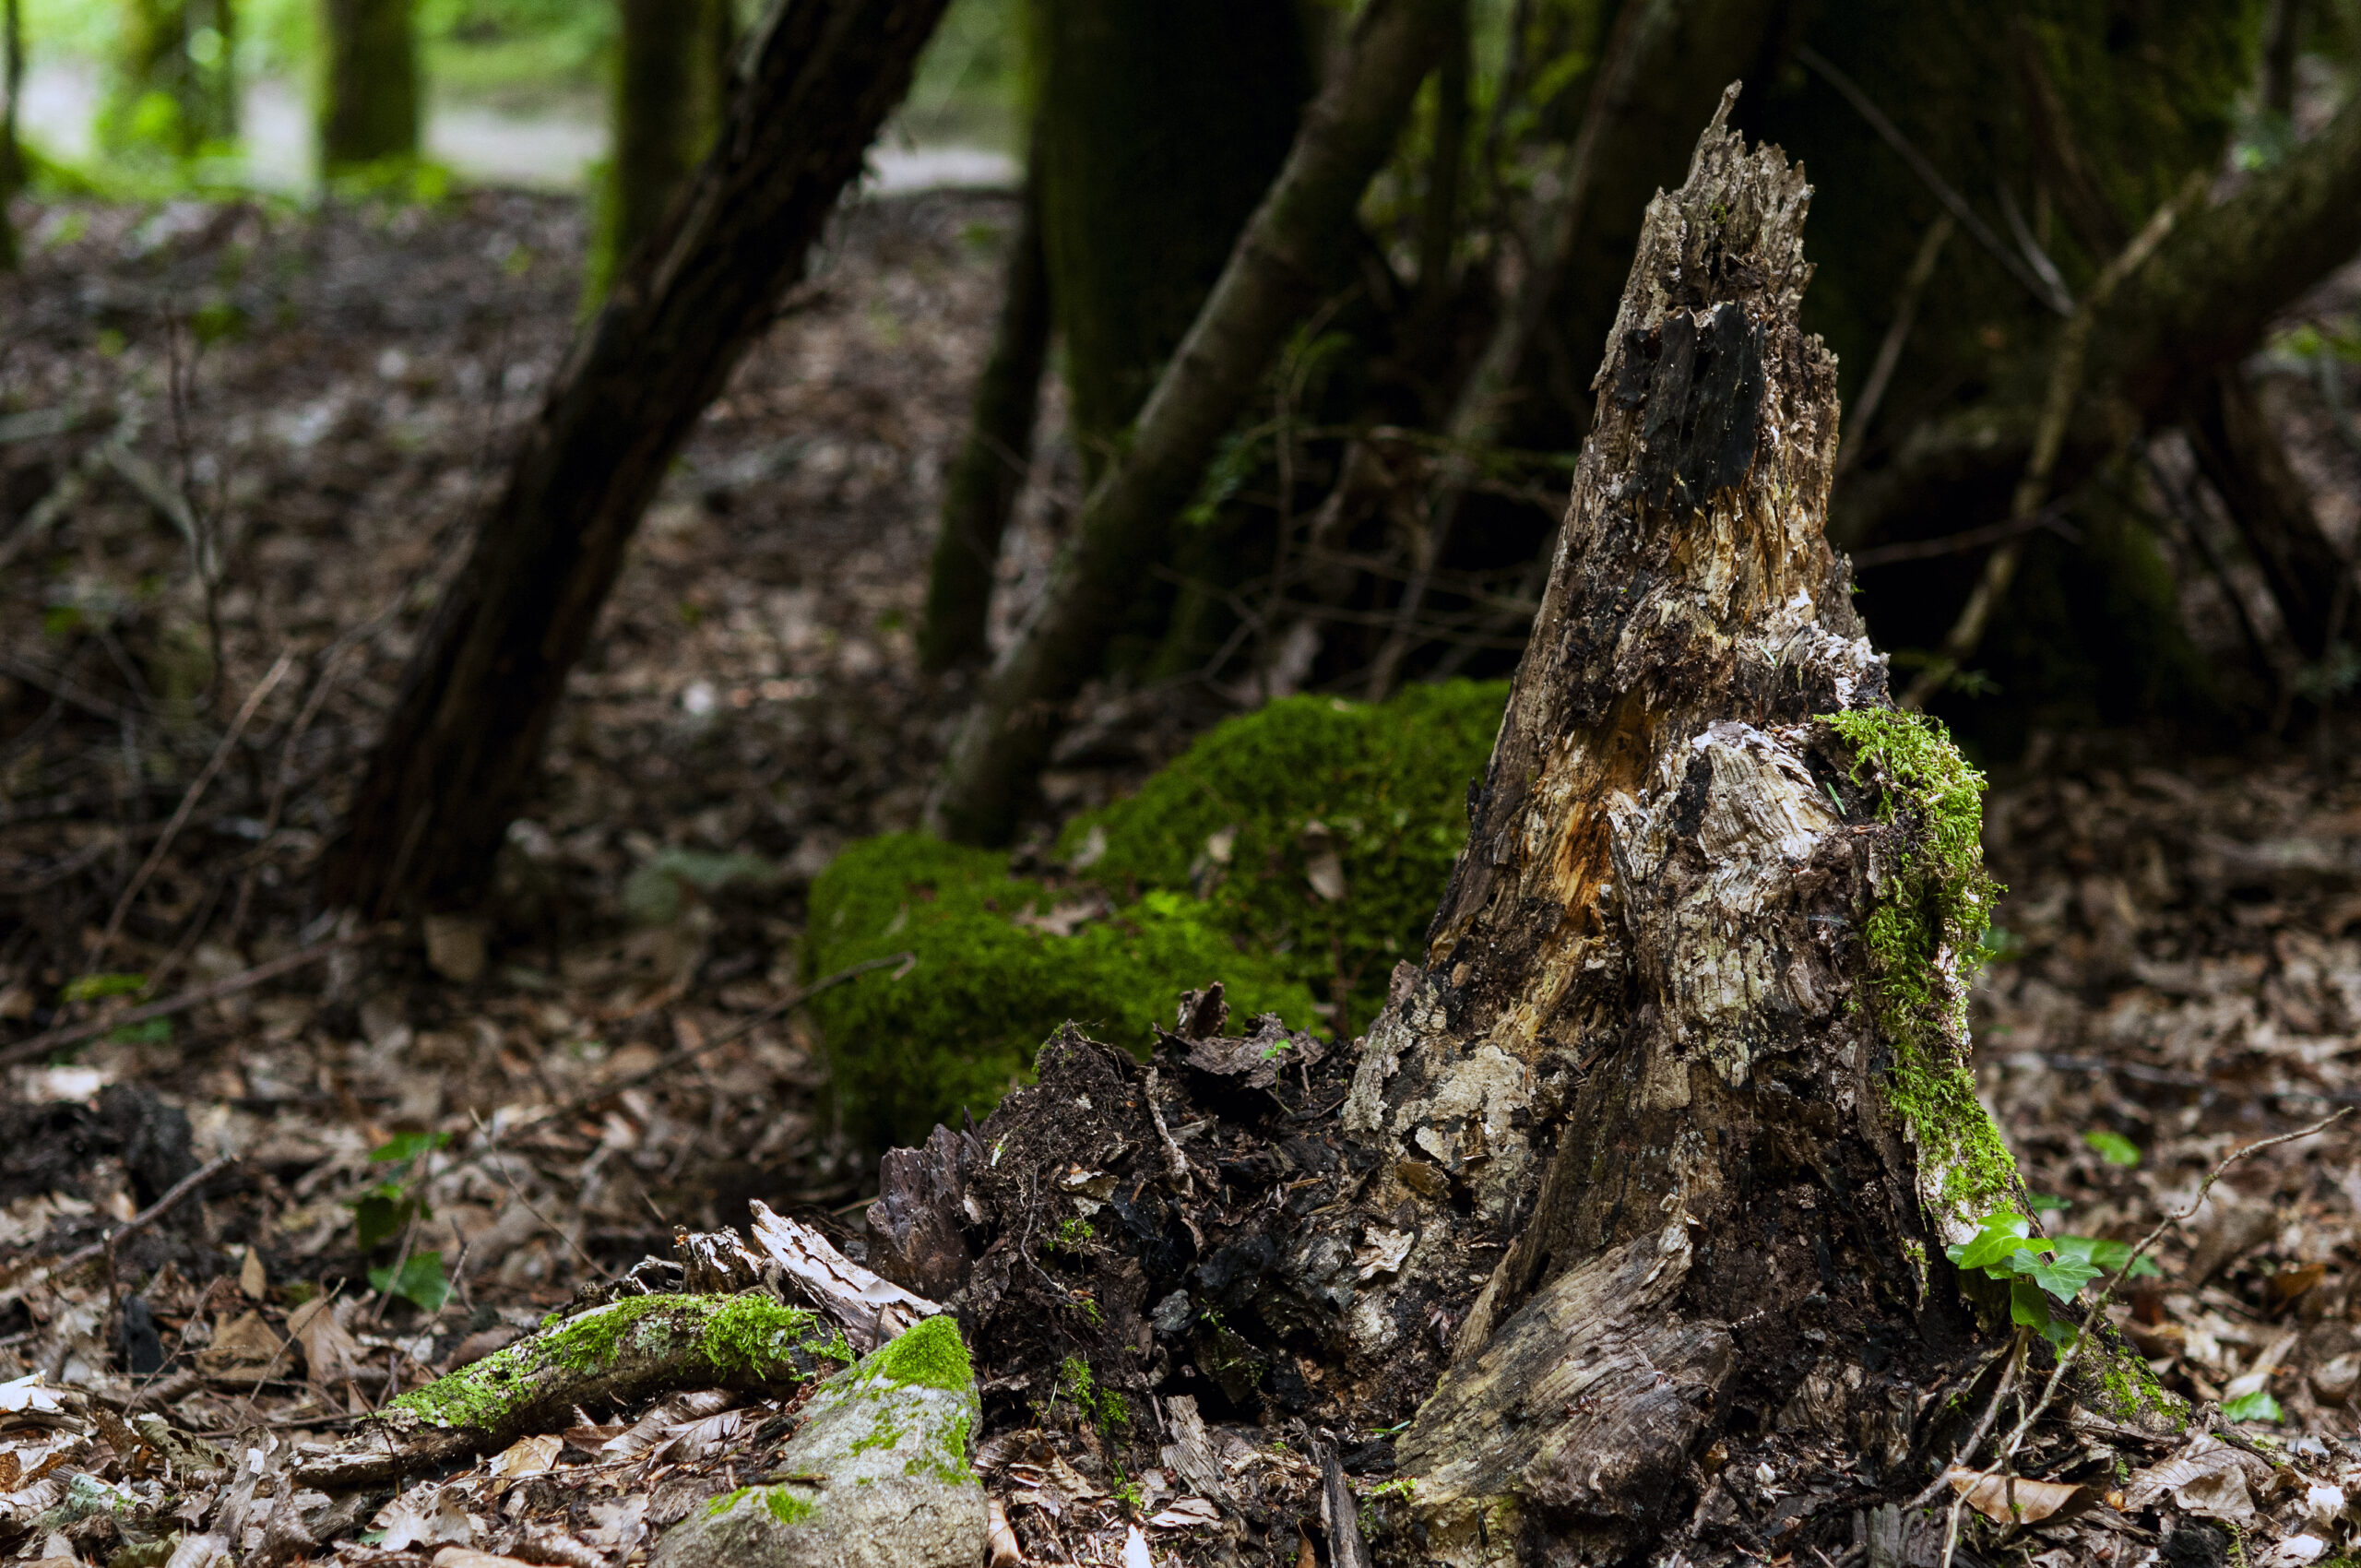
x: 1275, y: 273
x: 369, y: 99
x: 671, y: 93
x: 2203, y: 302
x: 990, y: 471
x: 174, y: 88
x: 1159, y: 128
x: 2240, y: 455
x: 1688, y: 1047
x: 478, y: 697
x: 12, y: 167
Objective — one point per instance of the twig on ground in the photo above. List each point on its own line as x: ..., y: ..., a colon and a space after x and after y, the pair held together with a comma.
x: 196, y: 791
x: 105, y: 1246
x: 54, y: 1040
x: 2107, y: 1293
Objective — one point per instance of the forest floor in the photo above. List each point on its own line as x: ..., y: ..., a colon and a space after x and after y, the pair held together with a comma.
x: 237, y: 447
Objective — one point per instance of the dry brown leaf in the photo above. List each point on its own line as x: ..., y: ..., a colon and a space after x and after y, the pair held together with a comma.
x: 1185, y: 1513
x: 527, y: 1457
x: 2015, y: 1499
x: 331, y: 1355
x: 466, y: 1556
x: 252, y: 1278
x: 248, y: 1342
x: 2208, y: 1478
x: 1005, y: 1551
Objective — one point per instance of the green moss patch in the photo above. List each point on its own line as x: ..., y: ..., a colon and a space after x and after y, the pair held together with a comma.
x: 929, y: 1353
x: 785, y: 1505
x: 1295, y: 854
x: 748, y: 1338
x: 1926, y: 940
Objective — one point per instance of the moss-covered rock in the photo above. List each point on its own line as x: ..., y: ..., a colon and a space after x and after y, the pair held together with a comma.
x: 1294, y: 854
x: 877, y: 1476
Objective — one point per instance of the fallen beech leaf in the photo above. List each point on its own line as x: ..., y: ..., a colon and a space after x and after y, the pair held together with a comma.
x: 1186, y: 1512
x: 2290, y: 1283
x: 2018, y: 1501
x: 1135, y: 1550
x: 26, y: 1397
x: 331, y: 1356
x: 463, y: 1557
x: 2293, y: 1552
x: 2208, y: 1478
x: 1005, y: 1552
x: 527, y: 1457
x: 2323, y: 1501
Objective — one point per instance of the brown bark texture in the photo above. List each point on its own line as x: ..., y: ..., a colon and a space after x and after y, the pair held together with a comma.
x: 1641, y: 1181
x: 477, y: 697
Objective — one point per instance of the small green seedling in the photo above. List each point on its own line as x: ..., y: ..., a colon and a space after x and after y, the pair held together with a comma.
x: 382, y: 1213
x: 2256, y: 1406
x: 2113, y: 1147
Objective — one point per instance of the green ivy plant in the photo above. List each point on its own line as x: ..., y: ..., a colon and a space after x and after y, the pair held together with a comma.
x: 385, y: 1210
x: 2040, y: 1269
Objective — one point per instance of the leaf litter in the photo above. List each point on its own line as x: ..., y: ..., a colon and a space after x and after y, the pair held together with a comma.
x: 327, y: 397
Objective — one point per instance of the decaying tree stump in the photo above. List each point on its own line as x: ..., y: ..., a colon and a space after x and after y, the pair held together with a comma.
x: 1639, y: 1188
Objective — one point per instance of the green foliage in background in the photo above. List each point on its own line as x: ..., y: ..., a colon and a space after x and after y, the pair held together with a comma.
x: 1294, y: 854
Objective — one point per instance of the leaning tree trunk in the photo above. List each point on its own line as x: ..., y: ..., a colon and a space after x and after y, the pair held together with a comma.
x: 980, y: 494
x: 479, y: 695
x: 12, y: 82
x: 177, y: 55
x: 1290, y: 251
x: 671, y: 91
x: 368, y: 103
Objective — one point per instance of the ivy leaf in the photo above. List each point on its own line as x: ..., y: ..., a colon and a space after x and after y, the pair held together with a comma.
x: 2113, y: 1147
x: 2256, y: 1406
x: 2105, y: 1254
x: 2028, y: 1306
x: 2063, y: 1278
x: 420, y: 1282
x: 407, y: 1146
x: 380, y: 1213
x: 2002, y: 1236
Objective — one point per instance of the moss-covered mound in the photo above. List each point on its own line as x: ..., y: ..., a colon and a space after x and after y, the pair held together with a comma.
x: 1294, y: 854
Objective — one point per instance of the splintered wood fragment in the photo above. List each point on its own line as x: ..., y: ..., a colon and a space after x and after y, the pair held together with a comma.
x: 869, y: 1309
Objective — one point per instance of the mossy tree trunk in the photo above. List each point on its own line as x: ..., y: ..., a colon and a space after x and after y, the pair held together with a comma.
x: 1688, y: 1050
x: 989, y: 474
x: 175, y: 86
x: 1159, y: 128
x: 464, y: 741
x: 670, y: 92
x: 369, y: 83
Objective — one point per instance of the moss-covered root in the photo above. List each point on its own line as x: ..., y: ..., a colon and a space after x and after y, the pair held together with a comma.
x: 877, y: 1478
x: 624, y: 1352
